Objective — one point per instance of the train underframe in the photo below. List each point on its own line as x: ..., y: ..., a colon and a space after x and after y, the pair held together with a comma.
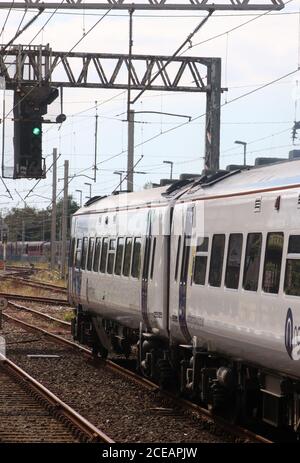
x: 234, y: 389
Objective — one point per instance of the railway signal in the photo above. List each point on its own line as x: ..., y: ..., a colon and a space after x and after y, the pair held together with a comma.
x: 30, y: 105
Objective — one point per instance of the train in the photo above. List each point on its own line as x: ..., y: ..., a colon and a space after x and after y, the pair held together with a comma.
x: 29, y: 251
x: 200, y: 280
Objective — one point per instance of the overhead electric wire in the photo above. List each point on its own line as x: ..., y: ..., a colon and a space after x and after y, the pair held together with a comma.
x: 232, y: 29
x: 6, y: 19
x: 19, y: 32
x: 61, y: 59
x: 176, y: 53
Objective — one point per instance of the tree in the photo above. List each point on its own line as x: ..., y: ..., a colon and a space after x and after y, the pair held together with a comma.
x: 33, y: 224
x: 72, y: 207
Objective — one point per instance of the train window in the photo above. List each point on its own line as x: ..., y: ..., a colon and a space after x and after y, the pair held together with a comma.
x: 272, y: 266
x: 111, y: 256
x: 153, y: 257
x: 147, y: 258
x: 177, y: 257
x: 127, y: 257
x: 136, y: 258
x: 233, y: 265
x: 97, y: 255
x: 78, y: 254
x: 185, y: 260
x: 294, y: 244
x: 71, y: 253
x: 103, y: 255
x: 84, y: 252
x: 119, y: 256
x: 200, y: 261
x: 292, y: 269
x: 216, y: 260
x: 252, y: 261
x: 90, y: 254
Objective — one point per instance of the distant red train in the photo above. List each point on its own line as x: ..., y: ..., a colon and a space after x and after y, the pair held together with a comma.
x: 36, y: 251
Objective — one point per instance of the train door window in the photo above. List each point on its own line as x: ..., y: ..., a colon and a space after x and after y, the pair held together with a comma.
x: 252, y: 261
x: 136, y: 258
x: 71, y: 253
x: 90, y: 253
x: 78, y: 254
x: 185, y: 260
x: 127, y: 257
x: 234, y: 256
x: 153, y: 257
x: 292, y: 269
x: 84, y: 252
x: 97, y: 255
x: 147, y: 256
x: 111, y: 256
x: 177, y: 257
x: 216, y: 260
x: 273, y: 259
x: 200, y: 261
x: 103, y: 255
x: 119, y: 256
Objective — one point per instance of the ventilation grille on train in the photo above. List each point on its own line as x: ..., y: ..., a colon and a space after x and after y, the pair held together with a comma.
x: 257, y: 205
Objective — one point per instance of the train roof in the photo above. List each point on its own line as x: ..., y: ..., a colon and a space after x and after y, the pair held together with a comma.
x: 123, y: 200
x: 268, y: 177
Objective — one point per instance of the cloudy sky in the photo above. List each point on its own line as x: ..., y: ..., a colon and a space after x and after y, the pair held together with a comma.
x: 256, y: 48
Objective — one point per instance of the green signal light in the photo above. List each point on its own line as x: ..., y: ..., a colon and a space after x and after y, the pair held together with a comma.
x: 36, y: 131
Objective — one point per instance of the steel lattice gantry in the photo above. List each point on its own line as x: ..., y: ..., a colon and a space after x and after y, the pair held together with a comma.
x: 237, y: 5
x: 23, y: 65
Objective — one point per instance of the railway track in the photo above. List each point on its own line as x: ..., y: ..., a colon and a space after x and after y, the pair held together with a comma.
x: 45, y: 300
x: 35, y: 283
x: 185, y: 405
x: 32, y: 413
x: 41, y: 315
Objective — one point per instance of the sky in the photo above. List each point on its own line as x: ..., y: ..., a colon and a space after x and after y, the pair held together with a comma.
x: 256, y: 49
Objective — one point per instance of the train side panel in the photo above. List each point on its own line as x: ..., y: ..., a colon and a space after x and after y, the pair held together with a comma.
x: 239, y: 322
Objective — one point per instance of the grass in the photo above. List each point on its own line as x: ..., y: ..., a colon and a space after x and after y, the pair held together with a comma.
x: 14, y: 287
x: 69, y: 315
x: 43, y: 273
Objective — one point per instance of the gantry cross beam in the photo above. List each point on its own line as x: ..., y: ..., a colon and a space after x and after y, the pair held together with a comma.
x: 30, y: 66
x: 26, y: 66
x: 237, y: 5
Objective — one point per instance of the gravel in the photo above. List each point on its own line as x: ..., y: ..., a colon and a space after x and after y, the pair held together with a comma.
x: 118, y: 406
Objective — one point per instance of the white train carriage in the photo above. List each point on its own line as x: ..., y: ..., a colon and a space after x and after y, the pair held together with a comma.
x: 206, y: 275
x: 112, y: 240
x: 238, y: 301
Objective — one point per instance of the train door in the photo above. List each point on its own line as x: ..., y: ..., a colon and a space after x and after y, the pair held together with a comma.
x: 184, y: 273
x: 180, y: 270
x: 145, y: 274
x: 75, y: 274
x: 155, y: 272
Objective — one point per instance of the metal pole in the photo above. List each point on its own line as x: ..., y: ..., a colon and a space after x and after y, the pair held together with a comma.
x: 171, y: 171
x: 64, y: 221
x: 130, y: 154
x: 245, y: 148
x: 129, y: 63
x: 90, y: 189
x: 96, y: 143
x: 53, y: 213
x: 23, y: 237
x: 212, y: 124
x: 4, y: 256
x: 80, y: 193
